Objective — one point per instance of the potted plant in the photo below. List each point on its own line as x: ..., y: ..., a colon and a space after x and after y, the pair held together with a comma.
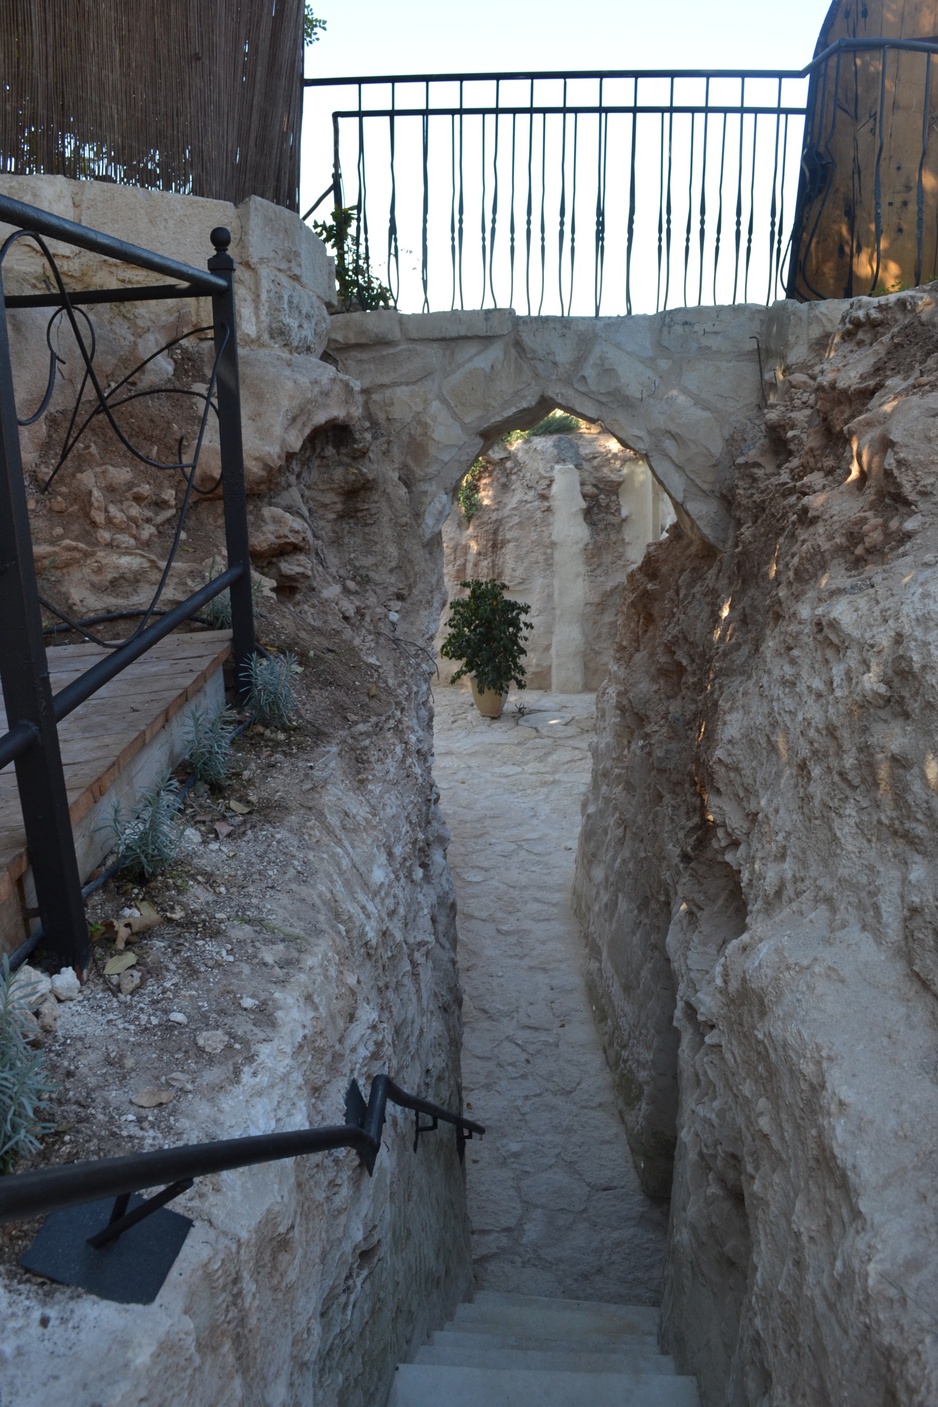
x: 486, y: 632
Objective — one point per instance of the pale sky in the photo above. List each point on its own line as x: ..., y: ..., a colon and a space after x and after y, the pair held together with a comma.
x: 427, y: 36
x: 374, y: 37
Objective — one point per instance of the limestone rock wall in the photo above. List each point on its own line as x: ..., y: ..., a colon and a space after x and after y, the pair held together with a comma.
x: 304, y: 1281
x: 105, y: 520
x: 562, y: 519
x: 757, y: 884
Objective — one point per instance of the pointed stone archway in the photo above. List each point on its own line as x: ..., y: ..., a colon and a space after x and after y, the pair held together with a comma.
x: 440, y: 388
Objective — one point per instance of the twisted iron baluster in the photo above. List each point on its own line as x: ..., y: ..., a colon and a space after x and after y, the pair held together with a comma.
x: 739, y: 189
x: 424, y: 250
x: 667, y: 223
x: 494, y: 197
x: 779, y: 282
x: 540, y: 305
x: 511, y: 226
x: 452, y: 205
x: 690, y: 205
x: 773, y: 208
x: 718, y: 234
x: 482, y: 215
x: 576, y: 120
x: 529, y: 207
x: 360, y: 172
x: 703, y: 189
x: 462, y: 200
x: 562, y: 211
x: 752, y: 203
x: 600, y: 235
x: 630, y: 226
x: 394, y: 253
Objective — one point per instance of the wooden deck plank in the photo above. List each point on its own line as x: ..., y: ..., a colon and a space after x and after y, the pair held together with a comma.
x: 104, y: 734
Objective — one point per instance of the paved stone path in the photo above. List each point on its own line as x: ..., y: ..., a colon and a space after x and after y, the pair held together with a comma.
x: 555, y: 1204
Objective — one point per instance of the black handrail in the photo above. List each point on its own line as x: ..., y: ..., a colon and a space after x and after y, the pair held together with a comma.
x: 17, y: 212
x: 27, y: 1194
x: 33, y: 712
x: 667, y: 175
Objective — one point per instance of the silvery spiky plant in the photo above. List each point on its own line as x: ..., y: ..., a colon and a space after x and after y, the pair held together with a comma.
x: 218, y: 611
x: 24, y: 1090
x: 150, y: 839
x: 209, y: 742
x: 271, y: 694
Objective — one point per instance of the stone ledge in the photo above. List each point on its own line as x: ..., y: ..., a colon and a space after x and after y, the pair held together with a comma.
x: 364, y: 329
x: 491, y: 322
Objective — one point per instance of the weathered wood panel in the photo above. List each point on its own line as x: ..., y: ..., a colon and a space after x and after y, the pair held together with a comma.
x: 113, y: 746
x: 867, y: 218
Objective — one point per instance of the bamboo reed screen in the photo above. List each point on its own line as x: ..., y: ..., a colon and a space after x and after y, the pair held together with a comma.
x: 198, y: 96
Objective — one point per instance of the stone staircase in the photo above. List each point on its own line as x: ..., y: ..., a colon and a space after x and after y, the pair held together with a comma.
x: 524, y: 1351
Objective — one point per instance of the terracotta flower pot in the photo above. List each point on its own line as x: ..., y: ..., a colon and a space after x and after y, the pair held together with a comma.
x: 488, y: 703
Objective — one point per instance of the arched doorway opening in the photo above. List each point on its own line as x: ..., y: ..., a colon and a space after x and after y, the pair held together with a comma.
x: 562, y: 512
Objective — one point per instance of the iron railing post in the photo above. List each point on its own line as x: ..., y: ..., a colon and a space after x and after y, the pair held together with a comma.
x: 232, y: 457
x: 27, y: 694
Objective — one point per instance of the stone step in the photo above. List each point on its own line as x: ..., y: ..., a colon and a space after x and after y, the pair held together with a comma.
x: 493, y: 1298
x: 467, y: 1352
x: 570, y: 1318
x: 489, y: 1336
x: 432, y: 1385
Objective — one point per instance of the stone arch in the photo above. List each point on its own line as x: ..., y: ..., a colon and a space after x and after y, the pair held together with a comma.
x: 442, y: 387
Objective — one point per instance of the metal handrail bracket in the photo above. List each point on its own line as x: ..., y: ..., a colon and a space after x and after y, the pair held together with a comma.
x: 84, y: 1239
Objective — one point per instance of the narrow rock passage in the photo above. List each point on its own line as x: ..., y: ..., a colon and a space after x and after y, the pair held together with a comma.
x: 556, y: 1206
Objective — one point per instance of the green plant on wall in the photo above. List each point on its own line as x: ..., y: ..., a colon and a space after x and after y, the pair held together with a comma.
x: 486, y: 632
x: 358, y: 289
x: 311, y: 25
x: 467, y: 495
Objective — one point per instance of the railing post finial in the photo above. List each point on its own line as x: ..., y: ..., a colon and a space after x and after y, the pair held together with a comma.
x: 221, y: 239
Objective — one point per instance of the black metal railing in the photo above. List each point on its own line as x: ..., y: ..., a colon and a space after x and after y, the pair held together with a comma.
x: 570, y: 193
x: 602, y: 192
x: 68, y: 1248
x: 33, y: 712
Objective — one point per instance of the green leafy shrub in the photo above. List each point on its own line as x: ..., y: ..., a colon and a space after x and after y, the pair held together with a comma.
x: 358, y: 289
x: 486, y: 632
x: 209, y: 741
x: 271, y: 695
x: 512, y: 437
x: 149, y: 840
x: 467, y: 495
x: 24, y: 1090
x: 311, y: 25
